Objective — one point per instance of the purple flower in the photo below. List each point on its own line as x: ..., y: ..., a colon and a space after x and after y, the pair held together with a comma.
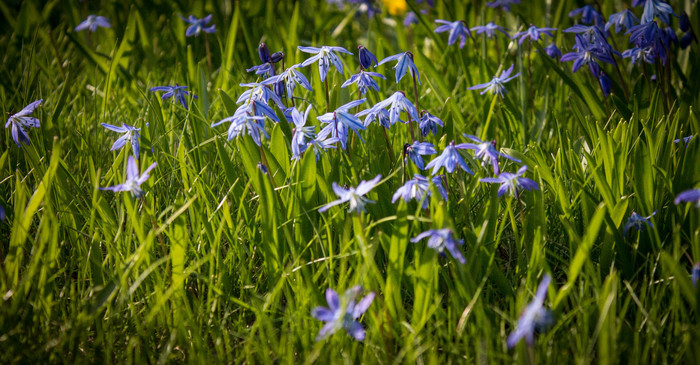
x: 355, y: 196
x: 405, y: 63
x: 588, y: 15
x: 428, y: 123
x: 410, y: 18
x: 364, y: 80
x: 624, y: 19
x: 605, y: 83
x: 133, y: 180
x: 366, y: 57
x: 685, y: 140
x: 343, y: 313
x: 130, y: 134
x: 495, y: 86
x: 450, y: 158
x: 396, y: 103
x: 177, y: 91
x: 533, y: 33
x: 487, y: 152
x: 504, y: 4
x: 380, y: 115
x: 291, y: 78
x: 301, y: 132
x: 587, y: 53
x: 637, y: 222
x: 689, y: 196
x: 417, y: 187
x: 325, y: 57
x: 552, y: 51
x: 250, y: 118
x: 93, y: 22
x: 21, y: 122
x: 263, y: 53
x: 259, y: 92
x: 512, y: 183
x: 696, y: 274
x: 441, y: 239
x: 198, y: 26
x: 534, y: 316
x: 416, y: 150
x: 490, y: 30
x: 657, y: 8
x: 340, y: 121
x: 2, y: 214
x: 265, y: 70
x: 457, y: 29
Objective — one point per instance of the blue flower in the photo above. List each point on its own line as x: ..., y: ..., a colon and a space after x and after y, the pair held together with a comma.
x: 396, y: 103
x: 93, y: 22
x: 416, y: 150
x: 291, y: 78
x: 364, y: 80
x: 262, y: 168
x: 411, y: 18
x: 487, y: 152
x: 21, y: 122
x: 380, y: 115
x: 325, y: 57
x: 265, y: 70
x: 263, y: 53
x: 684, y: 22
x: 657, y: 8
x: 696, y: 274
x: 552, y: 51
x: 512, y: 183
x: 587, y: 53
x: 490, y: 30
x: 259, y: 92
x: 588, y: 15
x: 504, y: 4
x: 250, y: 118
x: 343, y: 313
x: 130, y: 134
x: 428, y: 123
x: 649, y: 41
x: 178, y: 91
x: 685, y: 140
x: 605, y: 83
x: 2, y: 214
x: 450, y: 158
x: 366, y: 57
x: 533, y: 33
x: 133, y: 180
x: 301, y: 132
x: 534, y: 316
x: 355, y: 196
x: 441, y: 239
x: 198, y: 26
x: 495, y: 86
x: 624, y: 19
x: 689, y: 196
x: 340, y: 121
x: 457, y: 29
x: 637, y: 222
x: 417, y: 187
x: 405, y: 63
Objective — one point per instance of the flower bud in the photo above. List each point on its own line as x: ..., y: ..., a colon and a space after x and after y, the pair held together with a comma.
x: 276, y: 57
x: 264, y: 53
x: 684, y: 22
x: 366, y: 57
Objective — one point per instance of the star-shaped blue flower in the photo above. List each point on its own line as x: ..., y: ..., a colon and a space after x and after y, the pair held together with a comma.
x: 489, y: 30
x: 417, y: 187
x: 129, y: 134
x: 21, y: 121
x: 487, y: 152
x: 450, y: 158
x: 416, y: 150
x: 340, y: 121
x: 534, y: 316
x: 495, y: 86
x: 177, y: 91
x: 93, y: 22
x: 637, y: 222
x: 325, y: 57
x: 133, y: 180
x: 534, y: 33
x: 457, y: 29
x: 512, y: 183
x: 354, y: 196
x: 343, y: 313
x: 197, y: 26
x: 441, y: 239
x: 403, y: 64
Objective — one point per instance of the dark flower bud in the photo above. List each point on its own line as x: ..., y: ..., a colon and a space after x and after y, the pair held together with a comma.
x: 696, y: 274
x: 264, y: 53
x: 669, y: 36
x: 278, y: 88
x: 604, y: 83
x: 262, y: 168
x: 276, y: 57
x: 366, y: 57
x: 684, y: 22
x: 686, y: 39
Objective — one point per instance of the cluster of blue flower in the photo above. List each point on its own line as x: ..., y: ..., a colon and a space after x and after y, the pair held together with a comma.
x: 258, y: 102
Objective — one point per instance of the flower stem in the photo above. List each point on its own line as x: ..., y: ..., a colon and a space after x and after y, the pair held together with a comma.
x: 206, y: 45
x: 415, y: 96
x: 328, y: 97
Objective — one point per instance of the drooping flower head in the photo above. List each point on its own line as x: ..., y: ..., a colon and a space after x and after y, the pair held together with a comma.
x: 657, y: 8
x: 396, y: 103
x: 177, y: 91
x: 441, y: 239
x: 301, y: 133
x: 340, y: 121
x: 457, y: 29
x: 249, y: 118
x: 552, y: 51
x: 512, y: 183
x: 587, y: 53
x: 291, y: 77
x: 364, y: 80
x: 129, y: 134
x: 487, y: 152
x: 325, y: 57
x: 416, y: 150
x: 533, y: 33
x: 93, y: 22
x: 404, y: 63
x: 366, y: 57
x: 622, y: 20
x: 637, y: 222
x: 495, y: 86
x: 428, y: 123
x: 197, y: 26
x: 534, y: 316
x: 133, y: 180
x: 689, y: 196
x: 343, y: 313
x: 355, y: 196
x: 418, y: 187
x: 449, y: 159
x: 21, y: 122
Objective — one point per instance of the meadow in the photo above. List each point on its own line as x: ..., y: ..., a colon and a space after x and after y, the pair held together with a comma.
x: 350, y: 181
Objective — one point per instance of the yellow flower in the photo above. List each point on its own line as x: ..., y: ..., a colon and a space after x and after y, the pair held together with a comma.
x: 395, y: 7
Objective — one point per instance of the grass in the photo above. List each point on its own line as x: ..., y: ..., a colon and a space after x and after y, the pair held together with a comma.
x: 221, y: 263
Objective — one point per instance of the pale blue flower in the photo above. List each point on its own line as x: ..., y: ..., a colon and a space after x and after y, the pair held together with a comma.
x: 405, y: 63
x: 429, y: 123
x: 689, y: 196
x: 21, y: 122
x: 133, y: 180
x: 489, y: 30
x: 534, y: 33
x: 177, y: 91
x: 197, y: 26
x: 417, y: 187
x: 637, y: 222
x: 495, y: 86
x: 325, y: 57
x: 364, y: 80
x: 416, y: 150
x: 396, y: 103
x: 291, y: 78
x: 450, y: 158
x: 457, y: 29
x: 249, y: 118
x: 355, y: 196
x: 340, y: 121
x: 93, y: 22
x: 343, y: 313
x: 441, y: 239
x: 657, y: 8
x: 512, y: 183
x: 487, y: 152
x: 259, y: 92
x: 130, y: 134
x: 622, y: 20
x: 534, y: 316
